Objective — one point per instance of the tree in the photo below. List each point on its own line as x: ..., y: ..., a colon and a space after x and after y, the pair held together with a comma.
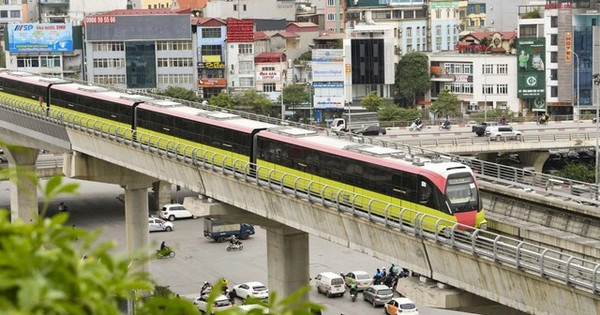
x: 179, y: 92
x: 258, y: 103
x: 372, y: 102
x: 412, y: 77
x: 578, y: 171
x: 294, y: 95
x: 222, y: 100
x: 447, y: 104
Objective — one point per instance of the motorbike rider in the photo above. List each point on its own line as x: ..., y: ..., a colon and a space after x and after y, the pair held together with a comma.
x: 205, y: 290
x: 377, y: 277
x: 234, y: 241
x: 502, y: 120
x: 353, y: 288
x: 163, y: 245
x: 446, y: 123
x: 544, y: 118
x: 418, y: 122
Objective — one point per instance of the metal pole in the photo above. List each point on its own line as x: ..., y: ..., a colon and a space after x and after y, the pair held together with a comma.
x: 282, y: 106
x: 578, y: 112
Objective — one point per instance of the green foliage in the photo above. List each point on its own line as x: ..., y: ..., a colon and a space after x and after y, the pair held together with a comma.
x: 372, y: 102
x: 578, y: 171
x: 535, y: 14
x: 179, y: 92
x: 447, y: 104
x: 222, y: 100
x: 258, y: 103
x: 412, y: 77
x: 391, y: 112
x: 338, y: 44
x: 295, y: 94
x: 493, y: 114
x: 307, y: 56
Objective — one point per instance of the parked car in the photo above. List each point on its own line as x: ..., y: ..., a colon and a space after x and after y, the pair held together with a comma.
x: 479, y: 130
x: 156, y: 224
x: 174, y: 211
x: 378, y: 294
x: 221, y: 303
x: 502, y: 133
x: 362, y: 279
x: 251, y: 289
x: 371, y: 131
x: 400, y: 306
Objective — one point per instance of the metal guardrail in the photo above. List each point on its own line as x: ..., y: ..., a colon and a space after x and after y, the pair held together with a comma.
x: 534, y: 259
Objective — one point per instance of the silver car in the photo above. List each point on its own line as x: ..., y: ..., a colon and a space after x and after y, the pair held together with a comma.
x: 378, y: 294
x: 500, y: 133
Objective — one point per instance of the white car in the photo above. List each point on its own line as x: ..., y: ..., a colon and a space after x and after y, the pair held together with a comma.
x: 400, y: 306
x: 156, y: 224
x: 221, y: 303
x: 362, y: 279
x: 174, y: 211
x: 251, y: 289
x: 500, y: 133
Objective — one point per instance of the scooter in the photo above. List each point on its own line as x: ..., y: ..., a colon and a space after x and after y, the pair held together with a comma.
x: 353, y: 296
x: 165, y: 252
x: 445, y: 126
x: 235, y: 246
x: 415, y: 127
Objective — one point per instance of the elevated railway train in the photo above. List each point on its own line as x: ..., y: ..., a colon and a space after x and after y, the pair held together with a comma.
x: 439, y: 188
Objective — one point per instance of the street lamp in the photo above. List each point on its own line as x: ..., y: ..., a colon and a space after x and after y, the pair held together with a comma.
x: 578, y: 110
x: 484, y: 71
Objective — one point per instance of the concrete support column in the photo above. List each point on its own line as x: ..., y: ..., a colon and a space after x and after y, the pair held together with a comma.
x: 23, y: 191
x: 288, y: 260
x: 136, y: 218
x: 162, y: 194
x: 488, y: 156
x: 535, y: 159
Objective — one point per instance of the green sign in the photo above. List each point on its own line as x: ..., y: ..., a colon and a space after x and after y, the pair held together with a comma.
x: 531, y: 61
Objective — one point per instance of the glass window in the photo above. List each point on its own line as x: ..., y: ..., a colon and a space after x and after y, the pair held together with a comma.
x: 269, y: 87
x: 502, y: 69
x: 141, y: 64
x: 502, y: 89
x: 15, y: 13
x: 211, y: 32
x: 409, y: 31
x: 211, y: 50
x: 3, y: 14
x: 245, y: 48
x: 247, y: 82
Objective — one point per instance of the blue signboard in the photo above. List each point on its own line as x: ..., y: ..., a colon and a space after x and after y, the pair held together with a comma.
x: 37, y: 37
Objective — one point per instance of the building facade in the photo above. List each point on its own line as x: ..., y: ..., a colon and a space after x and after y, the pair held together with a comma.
x: 211, y: 37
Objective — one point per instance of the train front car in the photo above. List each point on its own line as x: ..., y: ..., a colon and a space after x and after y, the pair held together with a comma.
x: 462, y: 198
x: 407, y: 188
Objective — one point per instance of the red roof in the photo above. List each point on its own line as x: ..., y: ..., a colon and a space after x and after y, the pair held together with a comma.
x: 505, y: 35
x: 286, y: 34
x: 208, y: 21
x: 191, y: 4
x: 270, y: 54
x: 261, y: 36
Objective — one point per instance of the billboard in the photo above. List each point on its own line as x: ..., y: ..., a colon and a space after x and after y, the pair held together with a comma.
x: 531, y: 60
x: 328, y: 65
x: 328, y: 95
x: 40, y: 37
x: 269, y: 76
x: 240, y: 31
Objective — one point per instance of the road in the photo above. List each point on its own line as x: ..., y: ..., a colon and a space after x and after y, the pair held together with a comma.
x: 198, y: 259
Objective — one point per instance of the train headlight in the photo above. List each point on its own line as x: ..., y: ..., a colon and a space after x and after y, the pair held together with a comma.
x: 483, y: 226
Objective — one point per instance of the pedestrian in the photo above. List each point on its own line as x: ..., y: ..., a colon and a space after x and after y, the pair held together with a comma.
x: 231, y: 296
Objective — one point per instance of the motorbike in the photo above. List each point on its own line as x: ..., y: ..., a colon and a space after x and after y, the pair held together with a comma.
x: 445, y: 126
x: 542, y: 121
x: 415, y: 127
x: 165, y: 252
x: 235, y: 246
x: 353, y: 296
x: 502, y: 122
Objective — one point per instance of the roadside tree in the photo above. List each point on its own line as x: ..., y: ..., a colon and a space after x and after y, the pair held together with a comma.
x: 258, y: 103
x: 372, y: 102
x: 221, y: 100
x: 412, y: 77
x: 447, y: 104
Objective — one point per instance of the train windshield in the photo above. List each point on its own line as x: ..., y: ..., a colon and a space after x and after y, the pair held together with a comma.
x: 462, y: 193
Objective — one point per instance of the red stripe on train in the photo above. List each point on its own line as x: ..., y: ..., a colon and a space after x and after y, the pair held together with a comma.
x: 466, y: 218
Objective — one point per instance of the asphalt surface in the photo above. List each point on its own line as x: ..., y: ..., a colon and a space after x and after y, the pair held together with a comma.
x: 99, y: 206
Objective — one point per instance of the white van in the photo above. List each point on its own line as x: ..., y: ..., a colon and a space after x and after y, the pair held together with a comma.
x: 330, y: 284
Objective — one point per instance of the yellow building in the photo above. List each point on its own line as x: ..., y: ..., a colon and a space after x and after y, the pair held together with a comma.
x: 156, y: 4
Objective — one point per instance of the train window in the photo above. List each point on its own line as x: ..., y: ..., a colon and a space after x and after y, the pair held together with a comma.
x: 405, y: 186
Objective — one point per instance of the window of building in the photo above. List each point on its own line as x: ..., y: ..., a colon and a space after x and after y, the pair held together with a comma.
x: 487, y: 69
x: 267, y: 68
x: 211, y: 50
x: 50, y: 61
x: 438, y: 13
x: 246, y: 67
x: 487, y: 89
x: 554, y: 91
x: 108, y: 46
x: 502, y: 69
x: 438, y: 46
x: 28, y: 62
x: 175, y: 62
x: 448, y: 13
x: 409, y: 32
x: 502, y: 89
x: 211, y: 32
x: 235, y: 7
x: 409, y: 14
x: 396, y: 14
x: 409, y: 48
x: 269, y: 87
x: 553, y: 74
x: 554, y: 21
x: 247, y: 82
x: 528, y: 31
x: 175, y: 78
x: 331, y: 17
x: 174, y: 45
x: 553, y: 39
x: 3, y: 14
x: 244, y: 7
x: 15, y: 13
x: 382, y: 15
x: 245, y: 48
x: 109, y: 79
x: 330, y: 2
x: 438, y: 30
x: 109, y: 62
x: 553, y: 57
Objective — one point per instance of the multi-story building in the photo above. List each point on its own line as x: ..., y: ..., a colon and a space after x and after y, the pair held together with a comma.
x: 211, y: 35
x: 12, y: 11
x: 133, y: 49
x: 157, y: 4
x: 240, y: 55
x: 250, y: 9
x: 271, y: 71
x: 334, y: 15
x: 475, y: 19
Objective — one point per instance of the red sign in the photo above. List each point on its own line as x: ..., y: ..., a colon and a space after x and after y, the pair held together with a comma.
x: 100, y: 20
x: 240, y: 31
x: 212, y: 82
x: 568, y: 46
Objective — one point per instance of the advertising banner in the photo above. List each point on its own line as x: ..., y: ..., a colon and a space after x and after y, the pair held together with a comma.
x: 321, y: 102
x: 328, y: 65
x: 271, y: 76
x: 240, y: 31
x: 36, y: 37
x: 531, y: 60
